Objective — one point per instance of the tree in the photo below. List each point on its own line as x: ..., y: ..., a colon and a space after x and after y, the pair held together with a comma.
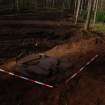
x: 17, y: 5
x: 78, y: 10
x: 95, y: 11
x: 88, y: 19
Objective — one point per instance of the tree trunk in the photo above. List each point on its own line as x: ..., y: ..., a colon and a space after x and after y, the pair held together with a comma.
x: 17, y: 5
x: 95, y: 12
x: 81, y: 7
x: 78, y: 10
x: 75, y: 9
x: 88, y: 15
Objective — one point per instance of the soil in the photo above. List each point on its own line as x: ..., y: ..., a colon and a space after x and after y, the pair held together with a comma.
x: 74, y: 48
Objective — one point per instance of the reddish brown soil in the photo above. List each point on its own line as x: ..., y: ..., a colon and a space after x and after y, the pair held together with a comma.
x: 88, y: 88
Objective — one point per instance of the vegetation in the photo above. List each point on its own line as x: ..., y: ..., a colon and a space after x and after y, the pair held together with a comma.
x: 100, y: 17
x: 91, y: 11
x: 99, y: 27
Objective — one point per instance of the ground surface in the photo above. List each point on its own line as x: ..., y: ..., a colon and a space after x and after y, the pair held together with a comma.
x: 74, y: 48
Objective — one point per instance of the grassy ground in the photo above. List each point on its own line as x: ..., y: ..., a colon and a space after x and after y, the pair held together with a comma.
x: 100, y: 27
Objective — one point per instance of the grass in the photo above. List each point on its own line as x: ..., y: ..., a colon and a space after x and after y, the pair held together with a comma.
x: 99, y: 27
x: 100, y: 16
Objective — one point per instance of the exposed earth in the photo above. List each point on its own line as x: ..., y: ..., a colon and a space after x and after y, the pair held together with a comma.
x: 64, y: 54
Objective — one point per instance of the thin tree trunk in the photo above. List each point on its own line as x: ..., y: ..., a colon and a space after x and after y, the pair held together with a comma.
x: 53, y: 3
x: 78, y: 10
x: 17, y: 5
x: 95, y: 13
x: 81, y: 7
x: 94, y: 5
x: 75, y: 9
x: 101, y: 6
x: 88, y: 15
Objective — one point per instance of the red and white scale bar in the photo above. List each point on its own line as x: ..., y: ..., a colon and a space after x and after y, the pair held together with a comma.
x: 25, y: 78
x: 82, y: 68
x: 44, y: 84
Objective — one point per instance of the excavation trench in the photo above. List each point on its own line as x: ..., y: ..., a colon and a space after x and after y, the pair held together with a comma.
x: 59, y: 95
x: 72, y: 55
